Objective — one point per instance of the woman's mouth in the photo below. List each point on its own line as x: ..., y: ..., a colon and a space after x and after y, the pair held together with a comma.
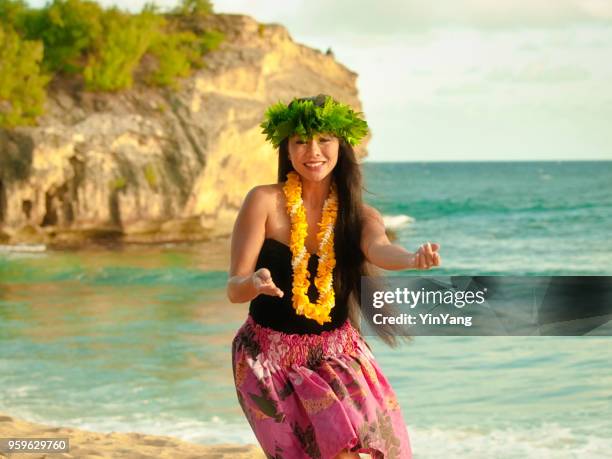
x: 314, y: 165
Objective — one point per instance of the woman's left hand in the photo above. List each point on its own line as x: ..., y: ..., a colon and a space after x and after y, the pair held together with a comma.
x: 427, y: 256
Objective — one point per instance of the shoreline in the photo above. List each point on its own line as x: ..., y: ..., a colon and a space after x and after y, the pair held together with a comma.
x: 215, y: 253
x: 110, y: 244
x: 132, y: 445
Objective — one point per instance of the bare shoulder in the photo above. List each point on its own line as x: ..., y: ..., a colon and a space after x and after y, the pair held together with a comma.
x: 261, y: 195
x: 370, y: 214
x: 269, y: 189
x: 250, y: 230
x: 263, y: 189
x: 275, y: 194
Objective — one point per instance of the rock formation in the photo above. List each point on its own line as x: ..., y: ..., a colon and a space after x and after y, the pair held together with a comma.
x: 151, y: 164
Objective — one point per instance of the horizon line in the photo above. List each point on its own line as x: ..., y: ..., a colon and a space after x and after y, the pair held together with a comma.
x: 492, y: 161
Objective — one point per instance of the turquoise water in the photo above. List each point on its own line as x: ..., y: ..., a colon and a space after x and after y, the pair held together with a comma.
x: 140, y: 341
x: 534, y: 218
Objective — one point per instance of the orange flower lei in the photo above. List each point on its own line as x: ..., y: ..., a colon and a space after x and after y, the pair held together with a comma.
x: 300, y: 256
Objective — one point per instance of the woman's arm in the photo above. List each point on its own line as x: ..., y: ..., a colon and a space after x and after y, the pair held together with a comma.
x: 247, y: 238
x: 381, y: 252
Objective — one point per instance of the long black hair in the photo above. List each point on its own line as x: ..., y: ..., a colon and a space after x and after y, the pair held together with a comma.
x: 351, y: 262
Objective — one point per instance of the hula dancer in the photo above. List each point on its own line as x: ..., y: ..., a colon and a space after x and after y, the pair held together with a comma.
x: 305, y: 378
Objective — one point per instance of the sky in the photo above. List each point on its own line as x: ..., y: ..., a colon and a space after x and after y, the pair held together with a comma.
x: 467, y: 80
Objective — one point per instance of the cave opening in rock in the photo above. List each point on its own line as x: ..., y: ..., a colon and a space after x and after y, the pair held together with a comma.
x: 26, y: 207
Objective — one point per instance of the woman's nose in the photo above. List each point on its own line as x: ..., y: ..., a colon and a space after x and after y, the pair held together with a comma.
x: 313, y: 146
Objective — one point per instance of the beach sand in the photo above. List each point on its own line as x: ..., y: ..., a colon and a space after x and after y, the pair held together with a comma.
x: 90, y: 445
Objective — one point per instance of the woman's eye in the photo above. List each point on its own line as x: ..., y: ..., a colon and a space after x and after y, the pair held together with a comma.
x: 324, y: 139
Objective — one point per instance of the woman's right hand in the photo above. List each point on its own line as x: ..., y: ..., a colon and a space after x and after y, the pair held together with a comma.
x: 263, y: 283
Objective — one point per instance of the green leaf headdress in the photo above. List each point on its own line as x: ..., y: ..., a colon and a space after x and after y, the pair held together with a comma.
x: 307, y: 116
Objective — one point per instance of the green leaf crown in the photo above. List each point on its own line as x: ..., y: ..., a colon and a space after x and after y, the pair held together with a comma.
x: 307, y: 116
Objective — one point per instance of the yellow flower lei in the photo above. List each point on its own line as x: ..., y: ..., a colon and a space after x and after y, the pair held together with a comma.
x: 300, y: 256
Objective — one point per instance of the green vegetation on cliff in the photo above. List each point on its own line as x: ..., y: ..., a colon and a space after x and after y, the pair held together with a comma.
x: 107, y: 48
x: 22, y: 83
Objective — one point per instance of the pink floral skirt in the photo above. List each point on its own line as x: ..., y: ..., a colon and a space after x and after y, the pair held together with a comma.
x: 312, y: 396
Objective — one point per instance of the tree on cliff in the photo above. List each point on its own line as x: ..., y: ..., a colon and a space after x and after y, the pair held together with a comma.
x: 103, y: 47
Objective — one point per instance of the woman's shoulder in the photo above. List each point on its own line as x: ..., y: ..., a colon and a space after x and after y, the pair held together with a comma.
x: 264, y: 194
x: 267, y: 190
x: 371, y: 213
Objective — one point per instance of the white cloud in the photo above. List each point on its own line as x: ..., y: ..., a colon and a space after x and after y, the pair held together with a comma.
x: 539, y: 72
x: 375, y: 17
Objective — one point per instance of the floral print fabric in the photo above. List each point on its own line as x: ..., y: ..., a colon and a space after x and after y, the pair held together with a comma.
x: 311, y: 396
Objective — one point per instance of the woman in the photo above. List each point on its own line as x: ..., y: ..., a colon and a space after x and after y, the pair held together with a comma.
x: 305, y: 377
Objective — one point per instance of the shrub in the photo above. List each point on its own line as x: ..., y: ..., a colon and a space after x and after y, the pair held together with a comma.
x: 126, y: 38
x: 210, y: 40
x: 151, y: 175
x: 105, y: 46
x: 176, y: 54
x: 118, y: 183
x: 22, y: 83
x: 68, y: 29
x: 12, y: 13
x: 194, y: 7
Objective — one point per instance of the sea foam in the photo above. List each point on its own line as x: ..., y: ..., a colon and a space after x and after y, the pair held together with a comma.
x: 397, y: 221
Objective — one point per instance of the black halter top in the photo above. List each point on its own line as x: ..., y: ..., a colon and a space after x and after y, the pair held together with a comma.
x: 278, y: 313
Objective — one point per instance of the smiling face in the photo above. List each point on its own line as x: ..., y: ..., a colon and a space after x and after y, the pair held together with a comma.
x: 315, y: 158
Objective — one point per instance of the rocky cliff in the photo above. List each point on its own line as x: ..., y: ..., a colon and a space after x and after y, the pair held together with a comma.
x: 151, y: 165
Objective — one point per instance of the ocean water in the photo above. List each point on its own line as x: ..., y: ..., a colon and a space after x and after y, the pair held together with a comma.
x: 546, y: 218
x: 140, y: 341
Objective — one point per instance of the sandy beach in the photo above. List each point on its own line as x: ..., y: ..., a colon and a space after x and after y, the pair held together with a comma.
x: 133, y: 445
